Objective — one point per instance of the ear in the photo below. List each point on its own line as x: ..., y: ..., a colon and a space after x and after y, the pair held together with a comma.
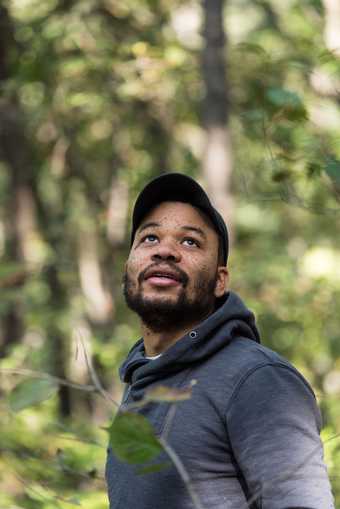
x: 222, y: 281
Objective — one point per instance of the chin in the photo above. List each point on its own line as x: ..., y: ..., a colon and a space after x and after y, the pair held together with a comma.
x: 157, y: 298
x: 166, y: 293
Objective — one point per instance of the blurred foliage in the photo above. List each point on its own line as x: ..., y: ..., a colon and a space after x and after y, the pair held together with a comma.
x: 133, y: 439
x: 100, y: 96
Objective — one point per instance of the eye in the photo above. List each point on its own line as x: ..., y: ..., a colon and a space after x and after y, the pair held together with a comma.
x: 149, y: 239
x: 191, y: 242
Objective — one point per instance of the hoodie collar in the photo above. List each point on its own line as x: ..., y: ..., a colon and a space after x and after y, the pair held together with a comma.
x: 231, y: 319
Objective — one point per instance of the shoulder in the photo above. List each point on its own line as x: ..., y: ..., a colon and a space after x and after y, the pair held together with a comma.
x: 270, y: 383
x: 254, y: 353
x: 264, y: 366
x: 251, y: 357
x: 243, y: 369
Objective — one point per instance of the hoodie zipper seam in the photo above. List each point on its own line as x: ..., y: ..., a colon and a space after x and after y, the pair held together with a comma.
x: 126, y: 395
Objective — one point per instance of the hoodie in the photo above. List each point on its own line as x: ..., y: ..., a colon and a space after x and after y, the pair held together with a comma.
x: 248, y: 436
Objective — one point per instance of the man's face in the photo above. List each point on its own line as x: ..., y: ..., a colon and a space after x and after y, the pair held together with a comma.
x: 172, y: 275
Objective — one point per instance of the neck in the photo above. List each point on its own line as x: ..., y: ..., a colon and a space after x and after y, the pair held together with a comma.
x: 156, y: 342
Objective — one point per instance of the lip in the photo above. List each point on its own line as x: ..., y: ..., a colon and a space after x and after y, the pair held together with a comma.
x: 162, y: 277
x: 162, y: 281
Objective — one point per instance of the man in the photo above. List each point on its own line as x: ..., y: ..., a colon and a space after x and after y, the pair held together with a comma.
x: 249, y: 435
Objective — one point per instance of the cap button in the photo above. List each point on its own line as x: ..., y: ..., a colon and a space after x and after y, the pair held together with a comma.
x: 193, y: 334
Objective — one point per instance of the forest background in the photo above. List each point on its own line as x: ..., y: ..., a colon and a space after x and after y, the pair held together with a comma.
x: 99, y: 96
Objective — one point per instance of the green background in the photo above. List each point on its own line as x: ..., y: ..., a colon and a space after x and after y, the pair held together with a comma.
x: 97, y: 97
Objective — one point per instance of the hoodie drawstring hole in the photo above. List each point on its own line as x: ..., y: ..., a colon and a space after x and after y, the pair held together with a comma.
x: 193, y: 334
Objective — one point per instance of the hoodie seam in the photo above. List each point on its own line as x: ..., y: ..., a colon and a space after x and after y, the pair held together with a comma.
x: 164, y: 425
x: 252, y: 370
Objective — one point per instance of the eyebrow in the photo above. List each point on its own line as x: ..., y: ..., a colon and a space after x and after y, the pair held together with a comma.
x: 195, y: 229
x: 148, y: 225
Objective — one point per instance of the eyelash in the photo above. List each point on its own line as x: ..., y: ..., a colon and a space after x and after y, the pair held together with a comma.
x: 185, y: 238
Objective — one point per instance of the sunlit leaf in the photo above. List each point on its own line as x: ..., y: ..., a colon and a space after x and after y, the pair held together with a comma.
x: 73, y: 501
x: 161, y: 393
x: 31, y: 392
x: 133, y: 439
x: 252, y: 48
x: 326, y: 56
x: 158, y: 467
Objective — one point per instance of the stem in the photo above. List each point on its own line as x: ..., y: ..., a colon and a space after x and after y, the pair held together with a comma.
x: 182, y: 472
x: 41, y: 374
x: 94, y: 376
x: 169, y: 420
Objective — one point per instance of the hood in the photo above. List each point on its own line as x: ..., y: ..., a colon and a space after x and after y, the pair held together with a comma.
x: 230, y: 320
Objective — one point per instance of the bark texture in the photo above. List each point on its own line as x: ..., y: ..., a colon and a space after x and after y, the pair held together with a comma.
x: 217, y: 157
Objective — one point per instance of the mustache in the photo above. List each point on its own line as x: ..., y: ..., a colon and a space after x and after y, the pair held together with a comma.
x: 181, y: 275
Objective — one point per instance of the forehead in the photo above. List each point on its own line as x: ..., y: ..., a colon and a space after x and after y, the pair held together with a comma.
x: 179, y: 213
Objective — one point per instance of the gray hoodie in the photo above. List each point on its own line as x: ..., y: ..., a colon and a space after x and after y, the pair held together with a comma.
x: 248, y: 436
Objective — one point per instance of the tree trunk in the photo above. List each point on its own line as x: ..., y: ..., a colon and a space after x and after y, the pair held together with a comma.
x: 57, y: 340
x: 217, y: 158
x: 18, y: 153
x: 332, y: 23
x: 11, y: 322
x: 117, y: 214
x: 99, y: 302
x: 326, y: 83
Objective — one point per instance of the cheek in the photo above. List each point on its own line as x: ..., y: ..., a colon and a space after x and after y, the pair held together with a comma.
x: 202, y: 270
x: 134, y: 265
x: 130, y: 268
x: 132, y: 261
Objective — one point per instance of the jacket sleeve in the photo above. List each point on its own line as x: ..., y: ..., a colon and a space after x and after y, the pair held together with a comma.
x: 273, y: 424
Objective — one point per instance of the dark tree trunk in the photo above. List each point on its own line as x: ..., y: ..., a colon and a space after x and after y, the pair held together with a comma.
x: 215, y: 105
x: 18, y: 153
x: 57, y: 339
x: 217, y: 159
x: 11, y: 322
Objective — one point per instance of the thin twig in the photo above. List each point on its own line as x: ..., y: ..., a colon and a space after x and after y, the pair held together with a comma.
x: 40, y: 374
x: 182, y: 472
x: 168, y: 421
x: 78, y: 439
x: 53, y: 495
x: 288, y: 194
x: 94, y: 377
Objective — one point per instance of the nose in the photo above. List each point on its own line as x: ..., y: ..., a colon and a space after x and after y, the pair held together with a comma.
x: 166, y: 251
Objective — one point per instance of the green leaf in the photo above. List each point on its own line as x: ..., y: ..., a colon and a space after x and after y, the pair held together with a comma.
x: 283, y: 97
x: 250, y: 47
x: 255, y: 115
x: 314, y: 169
x: 281, y: 175
x: 133, y: 439
x: 31, y: 392
x: 327, y: 56
x: 9, y: 268
x: 12, y: 275
x: 154, y: 468
x: 332, y: 169
x: 73, y: 501
x: 289, y: 102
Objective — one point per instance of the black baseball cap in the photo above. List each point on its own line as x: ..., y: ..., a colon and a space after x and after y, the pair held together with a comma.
x: 178, y: 187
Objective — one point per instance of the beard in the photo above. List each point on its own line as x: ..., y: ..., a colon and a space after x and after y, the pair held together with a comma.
x: 164, y: 313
